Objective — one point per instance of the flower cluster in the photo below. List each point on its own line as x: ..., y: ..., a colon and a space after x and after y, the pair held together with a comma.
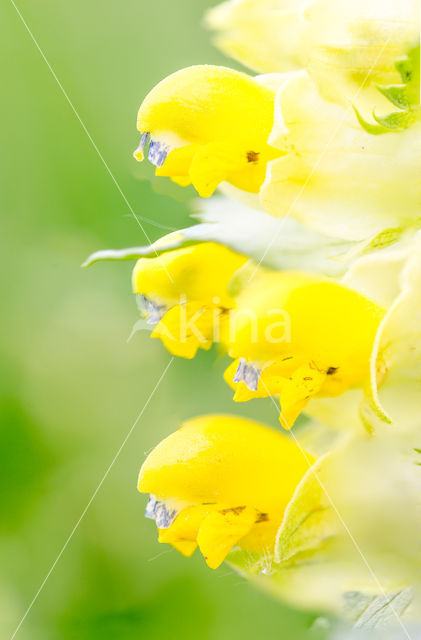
x: 305, y: 273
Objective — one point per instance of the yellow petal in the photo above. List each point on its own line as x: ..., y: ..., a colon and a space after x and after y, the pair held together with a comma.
x: 231, y: 161
x: 270, y: 380
x: 297, y: 390
x: 204, y: 103
x: 178, y: 161
x: 182, y: 181
x: 183, y: 531
x: 221, y: 530
x: 185, y: 547
x: 198, y: 273
x: 186, y: 328
x: 225, y: 459
x: 216, y: 162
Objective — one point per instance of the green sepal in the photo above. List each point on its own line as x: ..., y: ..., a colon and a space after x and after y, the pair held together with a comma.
x: 373, y: 129
x: 241, y: 278
x: 397, y: 94
x: 309, y: 519
x: 405, y: 96
x: 397, y: 120
x: 384, y: 239
x: 409, y: 65
x: 405, y: 68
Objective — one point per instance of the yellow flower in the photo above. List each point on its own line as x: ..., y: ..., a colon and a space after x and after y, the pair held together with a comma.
x: 206, y: 125
x: 348, y: 45
x: 334, y: 177
x: 221, y: 481
x: 267, y: 36
x: 278, y: 137
x: 185, y: 294
x: 299, y: 336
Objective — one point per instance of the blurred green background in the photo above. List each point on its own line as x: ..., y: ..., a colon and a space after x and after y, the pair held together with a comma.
x: 72, y: 386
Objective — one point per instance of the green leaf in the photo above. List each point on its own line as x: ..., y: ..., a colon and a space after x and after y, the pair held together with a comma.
x: 274, y: 243
x: 166, y: 243
x: 309, y: 518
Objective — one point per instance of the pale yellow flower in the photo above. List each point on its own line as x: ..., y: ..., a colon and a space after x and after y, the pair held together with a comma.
x: 334, y: 176
x: 349, y: 46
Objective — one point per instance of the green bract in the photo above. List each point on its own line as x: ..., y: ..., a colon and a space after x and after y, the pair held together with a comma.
x: 405, y: 96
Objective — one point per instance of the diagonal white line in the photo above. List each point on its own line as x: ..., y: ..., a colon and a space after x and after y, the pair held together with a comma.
x: 320, y: 158
x: 340, y: 517
x: 73, y: 531
x: 153, y: 223
x: 73, y: 108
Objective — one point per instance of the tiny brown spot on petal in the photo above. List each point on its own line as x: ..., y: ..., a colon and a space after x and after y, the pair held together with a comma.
x: 262, y: 517
x: 252, y: 156
x: 331, y: 371
x: 235, y: 510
